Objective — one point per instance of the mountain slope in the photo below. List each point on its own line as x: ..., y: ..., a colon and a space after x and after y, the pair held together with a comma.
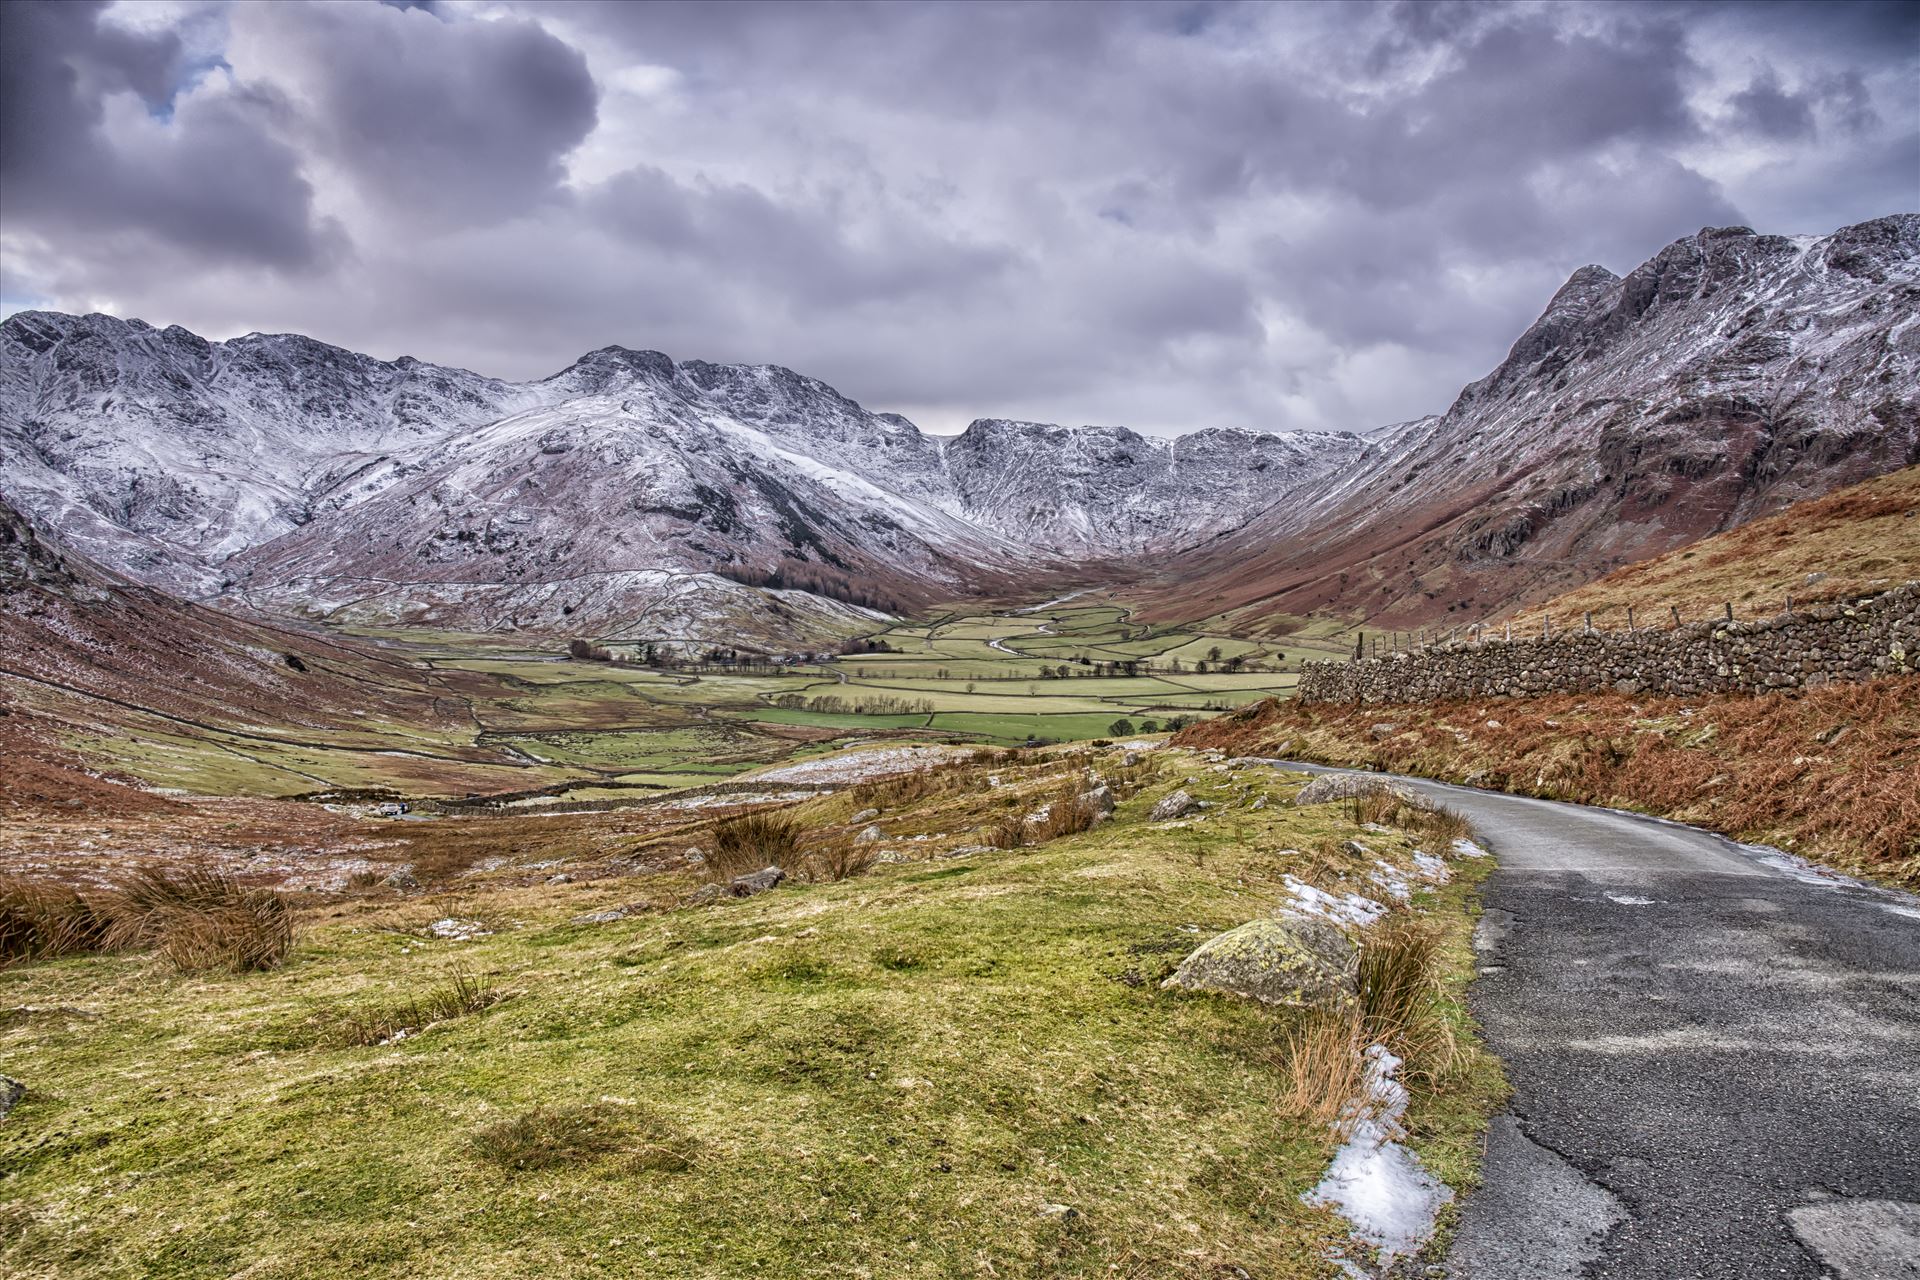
x: 1728, y: 376
x: 626, y: 493
x: 161, y: 453
x: 635, y: 497
x: 1853, y: 542
x: 1102, y: 491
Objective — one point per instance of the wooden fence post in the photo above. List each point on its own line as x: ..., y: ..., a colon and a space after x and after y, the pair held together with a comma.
x: 1629, y: 617
x: 1676, y: 613
x: 1589, y: 622
x: 1546, y: 626
x: 1729, y: 611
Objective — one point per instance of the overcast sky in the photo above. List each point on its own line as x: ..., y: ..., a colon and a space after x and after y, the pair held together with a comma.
x: 1170, y: 216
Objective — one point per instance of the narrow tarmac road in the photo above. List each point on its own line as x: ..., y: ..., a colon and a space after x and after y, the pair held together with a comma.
x: 1715, y: 1052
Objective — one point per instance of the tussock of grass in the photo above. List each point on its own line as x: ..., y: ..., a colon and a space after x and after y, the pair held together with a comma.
x: 1437, y: 824
x: 752, y: 841
x: 1321, y: 1055
x: 1068, y: 813
x: 1401, y: 1005
x: 198, y: 919
x: 1006, y: 832
x: 1400, y: 995
x: 201, y: 919
x: 461, y: 994
x: 42, y: 920
x: 840, y: 860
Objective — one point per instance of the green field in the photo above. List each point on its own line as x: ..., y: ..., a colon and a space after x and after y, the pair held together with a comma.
x: 520, y: 715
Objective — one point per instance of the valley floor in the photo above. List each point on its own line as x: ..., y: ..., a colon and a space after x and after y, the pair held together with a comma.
x: 449, y: 717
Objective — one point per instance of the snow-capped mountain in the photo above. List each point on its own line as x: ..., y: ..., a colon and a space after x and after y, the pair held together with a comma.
x: 1098, y: 491
x: 632, y: 496
x: 162, y: 454
x: 624, y: 493
x: 1731, y: 374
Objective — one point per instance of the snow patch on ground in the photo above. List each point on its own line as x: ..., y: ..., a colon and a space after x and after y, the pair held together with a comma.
x: 1468, y: 849
x: 1392, y: 879
x: 1799, y: 868
x: 1345, y: 909
x: 1629, y: 900
x: 1057, y: 600
x: 457, y: 930
x: 725, y: 798
x: 1376, y: 1184
x: 859, y: 766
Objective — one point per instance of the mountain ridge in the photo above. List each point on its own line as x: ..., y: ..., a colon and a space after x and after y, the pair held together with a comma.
x: 1726, y: 375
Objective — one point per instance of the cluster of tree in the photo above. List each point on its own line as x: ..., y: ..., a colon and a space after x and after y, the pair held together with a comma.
x: 1101, y: 667
x: 1172, y: 724
x: 587, y: 651
x: 864, y: 644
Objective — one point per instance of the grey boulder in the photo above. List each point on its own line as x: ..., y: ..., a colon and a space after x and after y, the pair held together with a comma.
x: 1176, y: 805
x: 755, y: 882
x: 1299, y: 962
x: 1339, y: 786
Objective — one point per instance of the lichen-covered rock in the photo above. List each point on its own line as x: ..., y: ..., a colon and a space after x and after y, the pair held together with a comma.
x: 865, y: 815
x: 870, y: 836
x: 703, y: 895
x: 755, y: 882
x: 11, y: 1091
x: 1100, y: 800
x: 1338, y: 786
x: 1299, y: 962
x: 1176, y: 805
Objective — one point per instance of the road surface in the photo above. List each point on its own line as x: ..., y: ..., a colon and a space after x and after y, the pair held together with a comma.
x: 1715, y: 1054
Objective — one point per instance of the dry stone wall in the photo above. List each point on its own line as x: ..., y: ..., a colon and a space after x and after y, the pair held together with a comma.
x: 1854, y: 640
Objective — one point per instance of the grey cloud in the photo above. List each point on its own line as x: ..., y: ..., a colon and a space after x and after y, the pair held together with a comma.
x: 454, y: 122
x: 214, y: 183
x: 1164, y: 215
x: 805, y: 253
x: 1765, y: 108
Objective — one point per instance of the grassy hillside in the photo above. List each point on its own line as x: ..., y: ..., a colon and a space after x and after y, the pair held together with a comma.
x: 1852, y: 542
x: 948, y: 1066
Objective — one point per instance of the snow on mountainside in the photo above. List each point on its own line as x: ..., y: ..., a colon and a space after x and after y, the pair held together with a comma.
x: 1731, y: 374
x: 160, y: 453
x: 1101, y: 490
x: 630, y: 495
x: 619, y: 493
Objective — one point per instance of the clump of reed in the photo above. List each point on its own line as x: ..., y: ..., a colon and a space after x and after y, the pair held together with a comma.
x: 197, y: 918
